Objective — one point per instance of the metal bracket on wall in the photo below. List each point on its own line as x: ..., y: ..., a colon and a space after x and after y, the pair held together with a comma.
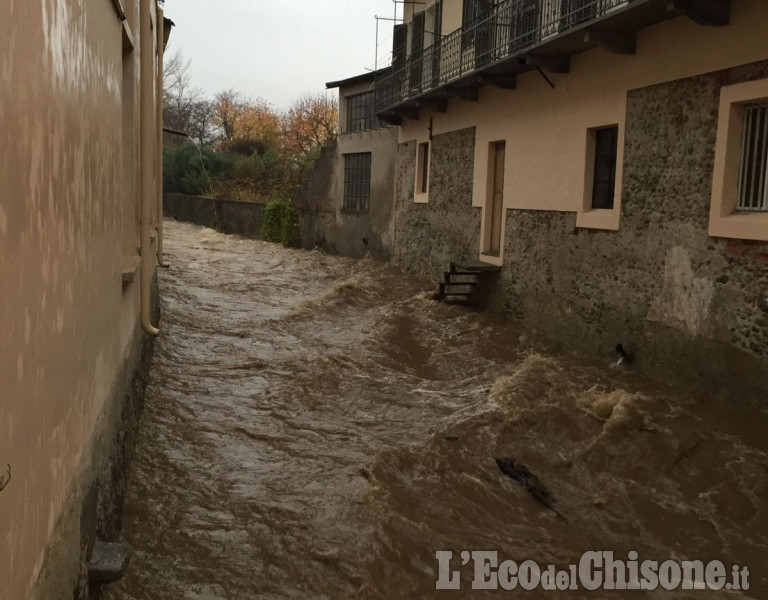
x: 544, y: 75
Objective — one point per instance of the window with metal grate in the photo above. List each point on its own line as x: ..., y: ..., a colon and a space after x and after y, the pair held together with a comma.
x: 361, y: 114
x: 753, y: 170
x: 357, y: 182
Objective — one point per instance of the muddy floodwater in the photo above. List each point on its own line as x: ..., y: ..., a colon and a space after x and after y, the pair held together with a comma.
x: 318, y: 427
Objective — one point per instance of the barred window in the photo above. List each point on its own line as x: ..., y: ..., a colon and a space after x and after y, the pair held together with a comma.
x: 361, y: 114
x: 357, y: 181
x: 753, y: 171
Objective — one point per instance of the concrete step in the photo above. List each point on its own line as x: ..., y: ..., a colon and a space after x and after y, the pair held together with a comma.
x: 450, y: 289
x: 457, y: 299
x: 460, y: 289
x: 450, y: 277
x: 473, y: 266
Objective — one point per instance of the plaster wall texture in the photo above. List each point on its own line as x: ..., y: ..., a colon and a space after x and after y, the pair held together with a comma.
x: 325, y: 222
x: 688, y: 305
x: 70, y: 341
x: 546, y: 130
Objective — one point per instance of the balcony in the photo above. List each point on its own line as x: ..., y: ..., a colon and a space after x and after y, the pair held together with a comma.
x: 523, y: 35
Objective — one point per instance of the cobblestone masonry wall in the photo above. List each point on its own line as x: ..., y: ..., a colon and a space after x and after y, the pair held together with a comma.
x: 686, y: 303
x: 429, y: 236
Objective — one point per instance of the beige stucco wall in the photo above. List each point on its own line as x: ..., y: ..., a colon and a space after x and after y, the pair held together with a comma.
x: 546, y: 129
x: 452, y: 13
x: 68, y: 320
x: 349, y: 229
x: 452, y: 10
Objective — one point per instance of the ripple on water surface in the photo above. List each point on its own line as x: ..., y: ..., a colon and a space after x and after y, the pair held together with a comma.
x: 317, y: 427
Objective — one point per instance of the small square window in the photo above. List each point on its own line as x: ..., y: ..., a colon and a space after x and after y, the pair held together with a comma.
x: 753, y: 166
x: 357, y: 182
x: 604, y: 180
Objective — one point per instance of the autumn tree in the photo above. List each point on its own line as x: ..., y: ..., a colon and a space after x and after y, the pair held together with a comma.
x: 261, y: 151
x: 246, y: 123
x: 260, y: 122
x: 310, y: 123
x: 228, y: 111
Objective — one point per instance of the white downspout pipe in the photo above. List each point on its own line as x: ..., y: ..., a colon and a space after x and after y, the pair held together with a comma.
x: 148, y: 139
x: 159, y: 102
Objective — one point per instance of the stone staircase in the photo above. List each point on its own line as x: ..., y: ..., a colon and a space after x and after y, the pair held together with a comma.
x: 466, y: 282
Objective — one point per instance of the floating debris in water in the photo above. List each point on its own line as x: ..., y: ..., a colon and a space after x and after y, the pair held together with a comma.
x: 520, y: 473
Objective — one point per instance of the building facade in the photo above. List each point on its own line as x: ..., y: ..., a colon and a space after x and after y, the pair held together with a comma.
x: 346, y: 203
x: 80, y: 236
x: 609, y: 156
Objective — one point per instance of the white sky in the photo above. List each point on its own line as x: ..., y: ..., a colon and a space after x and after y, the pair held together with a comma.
x: 278, y: 49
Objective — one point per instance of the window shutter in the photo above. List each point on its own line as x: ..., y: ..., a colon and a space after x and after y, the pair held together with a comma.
x: 399, y: 46
x: 417, y: 39
x: 438, y: 21
x: 437, y: 38
x: 417, y: 50
x: 467, y: 11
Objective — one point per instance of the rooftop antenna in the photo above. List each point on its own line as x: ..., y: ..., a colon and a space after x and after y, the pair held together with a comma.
x: 393, y: 19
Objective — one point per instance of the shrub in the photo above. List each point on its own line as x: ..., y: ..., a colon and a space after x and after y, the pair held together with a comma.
x: 281, y: 223
x: 290, y: 234
x: 272, y: 223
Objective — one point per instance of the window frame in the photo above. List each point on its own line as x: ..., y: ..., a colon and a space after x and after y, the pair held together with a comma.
x: 725, y: 219
x: 423, y: 166
x: 356, y: 198
x: 614, y: 150
x: 588, y: 217
x: 362, y: 117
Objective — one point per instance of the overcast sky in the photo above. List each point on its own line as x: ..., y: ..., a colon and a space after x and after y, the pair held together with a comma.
x: 278, y: 49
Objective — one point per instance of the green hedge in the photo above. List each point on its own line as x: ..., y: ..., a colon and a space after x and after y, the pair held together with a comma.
x: 281, y: 223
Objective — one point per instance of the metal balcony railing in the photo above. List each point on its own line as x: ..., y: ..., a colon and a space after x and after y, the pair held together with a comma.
x: 511, y: 28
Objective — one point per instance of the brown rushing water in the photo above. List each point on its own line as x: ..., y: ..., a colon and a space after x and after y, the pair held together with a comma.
x: 317, y: 427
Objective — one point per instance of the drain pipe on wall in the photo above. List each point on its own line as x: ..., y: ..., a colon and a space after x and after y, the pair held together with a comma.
x: 148, y: 139
x: 159, y: 103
